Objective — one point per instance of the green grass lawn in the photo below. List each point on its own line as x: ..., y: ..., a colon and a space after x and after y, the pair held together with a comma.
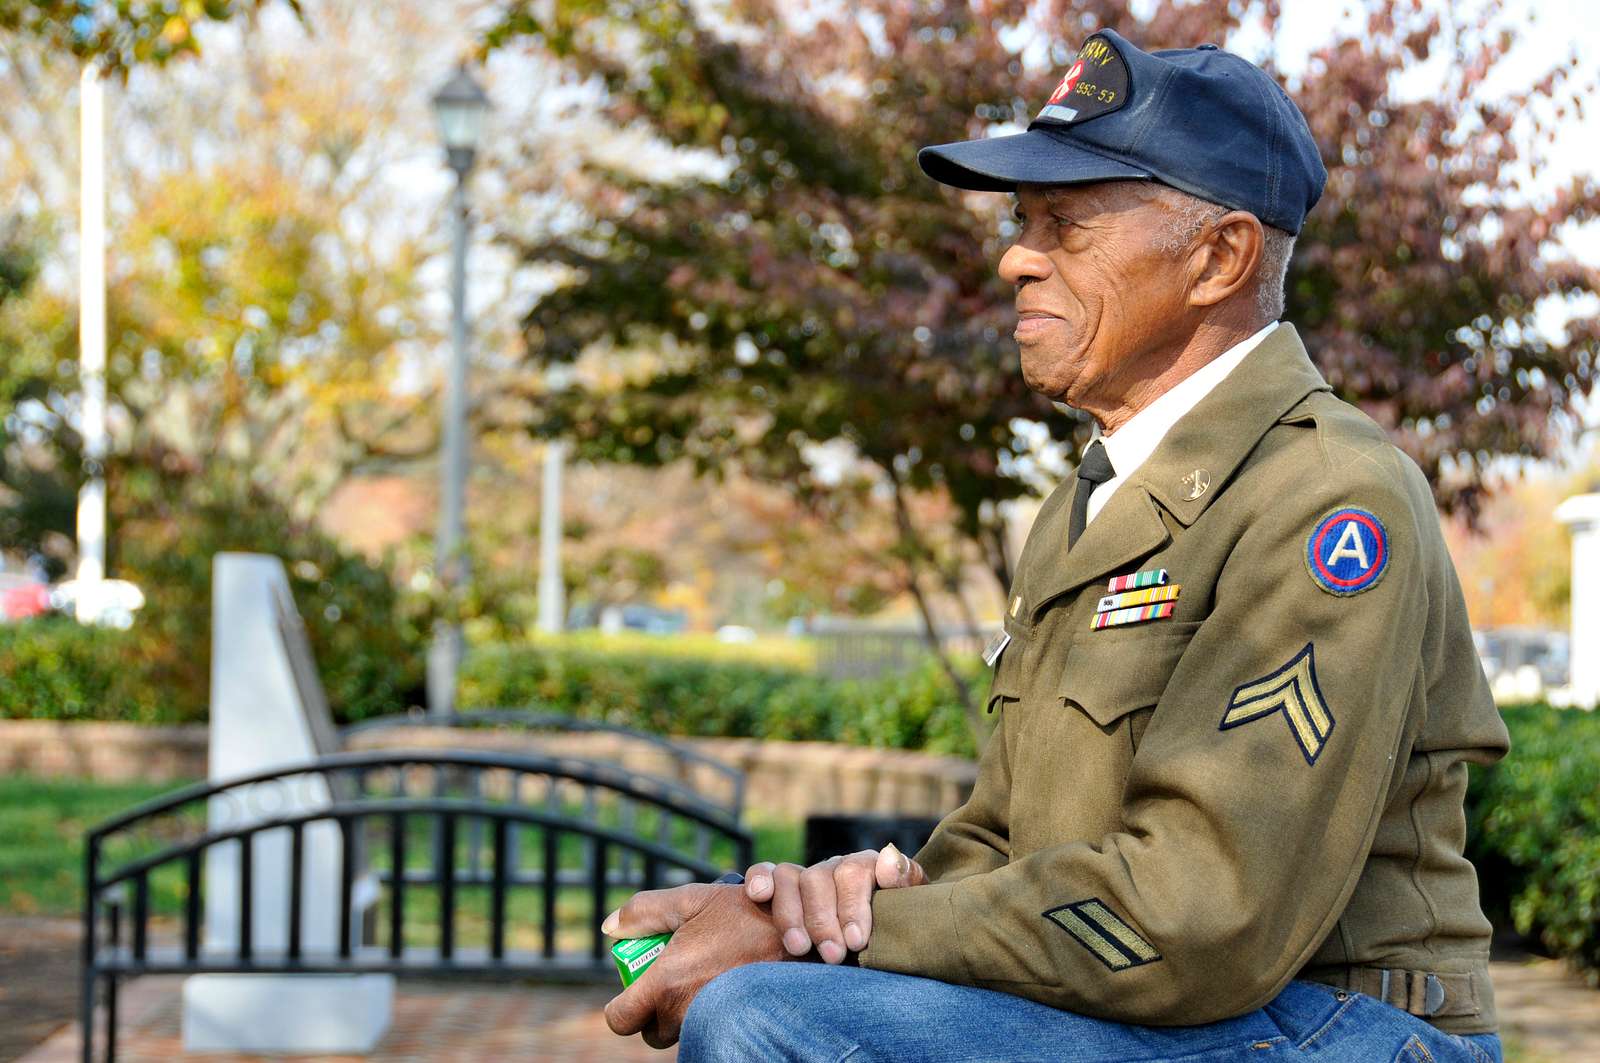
x: 42, y: 823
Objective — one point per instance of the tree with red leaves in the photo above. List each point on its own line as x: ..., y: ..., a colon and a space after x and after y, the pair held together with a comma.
x: 814, y: 287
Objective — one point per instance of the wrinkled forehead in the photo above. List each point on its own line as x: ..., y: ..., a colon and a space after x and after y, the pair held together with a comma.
x: 1093, y: 197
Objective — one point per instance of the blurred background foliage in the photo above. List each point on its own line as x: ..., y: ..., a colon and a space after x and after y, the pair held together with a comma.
x: 368, y: 637
x: 804, y: 307
x: 736, y: 693
x: 122, y: 34
x: 709, y: 263
x: 1534, y: 833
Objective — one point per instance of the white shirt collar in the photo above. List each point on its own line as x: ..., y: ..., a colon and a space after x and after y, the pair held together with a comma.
x: 1129, y: 446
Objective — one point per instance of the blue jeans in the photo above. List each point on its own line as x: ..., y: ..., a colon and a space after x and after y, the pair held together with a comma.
x: 810, y: 1011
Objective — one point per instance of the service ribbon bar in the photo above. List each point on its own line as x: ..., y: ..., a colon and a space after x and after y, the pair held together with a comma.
x: 1138, y: 614
x: 1155, y: 577
x: 1144, y: 597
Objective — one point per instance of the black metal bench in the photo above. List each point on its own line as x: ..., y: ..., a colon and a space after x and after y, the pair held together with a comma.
x: 440, y: 821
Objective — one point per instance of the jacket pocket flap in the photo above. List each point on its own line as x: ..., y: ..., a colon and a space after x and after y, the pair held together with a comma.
x: 1112, y: 673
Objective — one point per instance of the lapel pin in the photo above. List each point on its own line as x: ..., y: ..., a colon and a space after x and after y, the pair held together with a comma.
x: 1195, y: 484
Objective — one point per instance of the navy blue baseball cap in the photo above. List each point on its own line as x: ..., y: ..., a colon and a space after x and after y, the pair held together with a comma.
x: 1199, y: 119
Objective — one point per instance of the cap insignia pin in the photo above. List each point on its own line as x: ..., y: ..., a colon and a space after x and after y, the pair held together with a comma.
x: 1195, y: 484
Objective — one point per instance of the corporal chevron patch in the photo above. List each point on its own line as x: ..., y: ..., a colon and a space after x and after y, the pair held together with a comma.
x: 1292, y: 690
x: 1098, y: 929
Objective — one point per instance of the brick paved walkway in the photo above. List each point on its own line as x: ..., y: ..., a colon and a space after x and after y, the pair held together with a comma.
x: 1546, y: 1011
x: 38, y: 979
x: 434, y: 1022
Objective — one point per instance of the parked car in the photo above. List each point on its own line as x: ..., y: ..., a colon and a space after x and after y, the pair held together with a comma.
x: 1523, y: 663
x: 22, y: 597
x: 632, y: 617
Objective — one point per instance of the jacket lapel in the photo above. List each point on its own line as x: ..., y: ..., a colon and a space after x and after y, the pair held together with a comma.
x: 1214, y: 438
x: 1127, y: 528
x: 1217, y: 435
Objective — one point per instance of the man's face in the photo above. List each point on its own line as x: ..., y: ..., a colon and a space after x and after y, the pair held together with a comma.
x: 1096, y: 290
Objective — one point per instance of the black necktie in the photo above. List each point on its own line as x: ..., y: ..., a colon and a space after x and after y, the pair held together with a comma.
x: 1094, y: 470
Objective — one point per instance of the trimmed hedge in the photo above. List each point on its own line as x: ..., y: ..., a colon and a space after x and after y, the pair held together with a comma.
x: 673, y: 694
x: 57, y: 669
x: 1534, y: 832
x: 170, y: 519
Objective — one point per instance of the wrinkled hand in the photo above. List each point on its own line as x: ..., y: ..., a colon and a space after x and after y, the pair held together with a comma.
x: 829, y: 905
x: 713, y: 928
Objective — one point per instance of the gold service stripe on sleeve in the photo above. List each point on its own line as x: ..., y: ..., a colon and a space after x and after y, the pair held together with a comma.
x: 1091, y: 939
x: 1107, y: 920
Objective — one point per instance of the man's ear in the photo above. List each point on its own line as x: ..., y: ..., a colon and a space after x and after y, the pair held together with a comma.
x: 1226, y: 259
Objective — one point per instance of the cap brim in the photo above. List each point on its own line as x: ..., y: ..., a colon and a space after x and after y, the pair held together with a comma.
x: 1034, y: 157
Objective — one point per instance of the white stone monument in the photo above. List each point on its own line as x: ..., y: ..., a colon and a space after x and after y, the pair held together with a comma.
x: 1581, y: 513
x: 268, y: 711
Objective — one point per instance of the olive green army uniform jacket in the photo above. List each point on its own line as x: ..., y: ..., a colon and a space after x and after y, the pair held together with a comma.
x: 1176, y: 817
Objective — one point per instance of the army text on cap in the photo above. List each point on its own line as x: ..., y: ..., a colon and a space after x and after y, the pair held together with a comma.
x: 1095, y: 84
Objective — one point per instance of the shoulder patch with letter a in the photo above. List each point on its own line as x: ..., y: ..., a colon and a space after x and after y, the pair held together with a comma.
x: 1293, y: 691
x: 1348, y: 551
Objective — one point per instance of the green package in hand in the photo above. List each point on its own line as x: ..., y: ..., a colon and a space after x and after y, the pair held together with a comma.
x: 635, y: 955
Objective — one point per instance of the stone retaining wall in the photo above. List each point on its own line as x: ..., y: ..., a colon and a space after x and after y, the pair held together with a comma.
x: 108, y: 752
x: 784, y: 780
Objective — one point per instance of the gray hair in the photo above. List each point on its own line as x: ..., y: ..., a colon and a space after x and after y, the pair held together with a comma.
x: 1272, y: 274
x: 1190, y: 216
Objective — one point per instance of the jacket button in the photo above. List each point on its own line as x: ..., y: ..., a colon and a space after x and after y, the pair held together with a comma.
x: 1341, y: 995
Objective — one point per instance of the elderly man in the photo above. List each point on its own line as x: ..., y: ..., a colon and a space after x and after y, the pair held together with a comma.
x: 1221, y: 815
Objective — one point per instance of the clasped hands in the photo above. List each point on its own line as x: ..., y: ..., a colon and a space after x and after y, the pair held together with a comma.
x: 783, y: 911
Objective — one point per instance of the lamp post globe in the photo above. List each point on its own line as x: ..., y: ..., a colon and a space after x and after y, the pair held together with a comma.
x: 461, y: 106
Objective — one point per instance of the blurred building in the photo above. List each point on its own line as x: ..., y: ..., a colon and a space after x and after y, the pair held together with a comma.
x: 1525, y: 663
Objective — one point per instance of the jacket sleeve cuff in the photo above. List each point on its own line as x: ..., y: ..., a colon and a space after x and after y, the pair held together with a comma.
x: 914, y: 932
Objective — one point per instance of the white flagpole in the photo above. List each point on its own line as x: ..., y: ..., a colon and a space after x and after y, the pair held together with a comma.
x: 552, y: 589
x: 92, y: 344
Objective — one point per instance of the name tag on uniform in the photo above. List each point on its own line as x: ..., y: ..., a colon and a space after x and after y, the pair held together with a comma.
x: 997, y: 645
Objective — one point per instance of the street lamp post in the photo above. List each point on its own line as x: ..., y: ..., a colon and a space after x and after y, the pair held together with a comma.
x: 461, y: 107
